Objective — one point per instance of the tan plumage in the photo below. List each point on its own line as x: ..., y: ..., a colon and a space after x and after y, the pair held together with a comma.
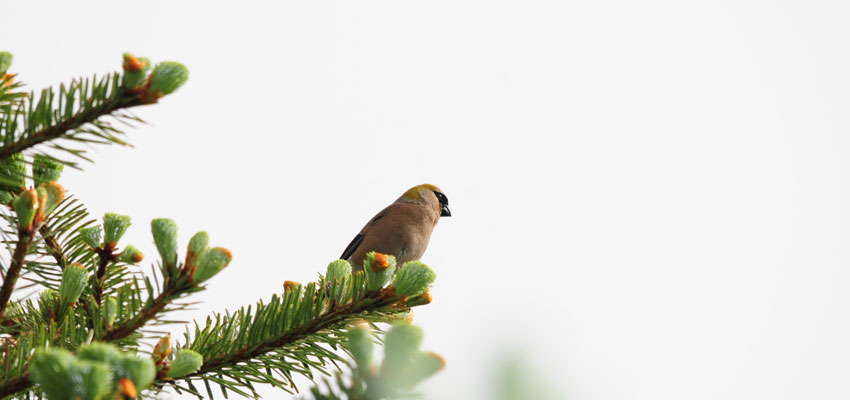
x: 403, y: 229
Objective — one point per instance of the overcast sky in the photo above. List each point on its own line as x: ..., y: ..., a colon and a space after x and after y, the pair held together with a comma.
x: 650, y: 199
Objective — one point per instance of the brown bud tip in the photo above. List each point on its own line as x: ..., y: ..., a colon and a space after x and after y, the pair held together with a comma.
x: 127, y: 388
x: 151, y: 96
x: 31, y: 196
x: 8, y: 79
x: 138, y: 257
x: 162, y: 349
x: 290, y: 285
x: 438, y: 357
x: 133, y: 64
x: 427, y: 297
x: 228, y: 253
x: 381, y: 262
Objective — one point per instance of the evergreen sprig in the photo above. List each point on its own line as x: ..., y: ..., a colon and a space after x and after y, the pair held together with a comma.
x: 44, y: 233
x: 74, y: 113
x: 79, y: 336
x: 403, y: 367
x: 77, y: 112
x: 97, y: 372
x: 294, y: 333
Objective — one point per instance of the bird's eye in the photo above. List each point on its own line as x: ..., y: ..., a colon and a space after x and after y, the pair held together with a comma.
x: 442, y: 198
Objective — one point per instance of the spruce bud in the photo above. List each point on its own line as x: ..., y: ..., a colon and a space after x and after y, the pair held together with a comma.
x: 162, y: 349
x: 55, y: 193
x: 197, y: 247
x: 360, y: 344
x: 165, y: 236
x: 422, y: 366
x: 401, y: 345
x: 140, y: 371
x: 338, y: 270
x: 290, y: 286
x: 379, y: 269
x: 166, y: 78
x: 74, y: 279
x: 60, y: 376
x: 211, y: 263
x: 135, y: 72
x: 91, y: 236
x: 131, y: 255
x: 45, y: 169
x: 413, y: 278
x: 186, y: 362
x: 98, y: 351
x: 114, y: 227
x: 26, y: 206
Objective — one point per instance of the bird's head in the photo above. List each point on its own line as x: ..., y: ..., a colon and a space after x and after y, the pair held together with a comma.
x: 428, y: 194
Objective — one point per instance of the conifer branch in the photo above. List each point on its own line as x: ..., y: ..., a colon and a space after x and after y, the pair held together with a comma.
x: 286, y: 335
x: 21, y: 250
x: 55, y: 131
x: 50, y: 241
x: 15, y: 385
x: 76, y: 112
x: 403, y: 367
x: 104, y: 258
x: 46, y: 347
x: 150, y: 312
x: 54, y: 248
x: 338, y: 318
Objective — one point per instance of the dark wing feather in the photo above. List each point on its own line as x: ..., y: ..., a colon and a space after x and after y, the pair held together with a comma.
x: 351, y: 247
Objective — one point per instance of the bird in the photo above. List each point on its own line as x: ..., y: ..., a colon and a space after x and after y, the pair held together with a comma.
x: 402, y: 229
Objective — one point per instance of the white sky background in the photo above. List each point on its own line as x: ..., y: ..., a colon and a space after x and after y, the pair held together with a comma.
x: 650, y: 198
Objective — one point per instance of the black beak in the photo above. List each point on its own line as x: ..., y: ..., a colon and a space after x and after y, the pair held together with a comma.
x: 445, y: 212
